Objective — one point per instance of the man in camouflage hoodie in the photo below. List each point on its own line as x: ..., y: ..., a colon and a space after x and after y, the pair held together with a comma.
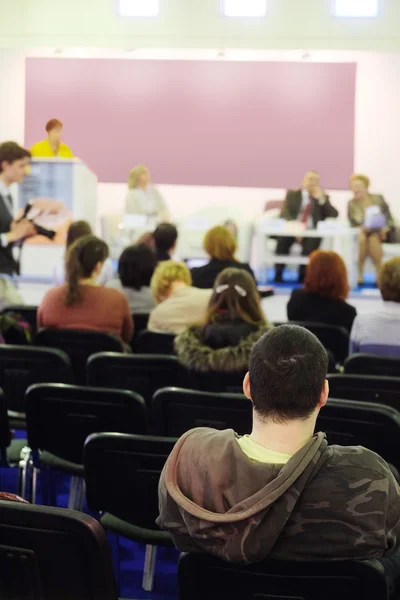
x: 283, y: 491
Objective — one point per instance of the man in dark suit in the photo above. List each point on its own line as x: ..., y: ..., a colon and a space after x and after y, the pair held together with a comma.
x: 309, y: 205
x: 13, y: 164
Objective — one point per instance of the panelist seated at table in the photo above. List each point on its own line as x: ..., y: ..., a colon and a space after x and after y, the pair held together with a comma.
x: 52, y: 146
x: 308, y: 206
x: 143, y: 198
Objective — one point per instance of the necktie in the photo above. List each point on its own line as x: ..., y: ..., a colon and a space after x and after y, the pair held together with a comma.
x: 306, y: 214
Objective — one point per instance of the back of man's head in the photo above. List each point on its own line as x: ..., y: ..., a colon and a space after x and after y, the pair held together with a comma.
x: 165, y: 237
x: 287, y: 371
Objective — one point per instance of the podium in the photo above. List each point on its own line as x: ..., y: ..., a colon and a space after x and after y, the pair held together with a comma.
x: 69, y: 181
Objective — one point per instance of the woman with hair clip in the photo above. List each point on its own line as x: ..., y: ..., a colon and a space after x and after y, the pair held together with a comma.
x: 81, y: 303
x: 234, y: 322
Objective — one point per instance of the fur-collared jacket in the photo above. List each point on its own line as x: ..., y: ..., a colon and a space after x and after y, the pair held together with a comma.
x: 223, y: 347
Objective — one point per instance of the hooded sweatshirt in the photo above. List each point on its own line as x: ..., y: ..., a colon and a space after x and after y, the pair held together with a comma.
x: 326, y: 502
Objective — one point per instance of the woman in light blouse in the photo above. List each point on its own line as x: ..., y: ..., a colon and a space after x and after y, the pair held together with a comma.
x: 143, y: 198
x: 370, y: 243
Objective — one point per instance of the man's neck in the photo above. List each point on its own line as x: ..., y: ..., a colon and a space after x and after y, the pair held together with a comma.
x: 176, y: 285
x: 286, y: 438
x: 4, y: 180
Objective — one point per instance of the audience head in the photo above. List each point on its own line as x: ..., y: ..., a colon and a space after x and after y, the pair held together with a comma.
x: 148, y: 240
x: 139, y: 177
x: 326, y: 275
x: 219, y: 243
x: 84, y: 260
x: 76, y: 230
x: 235, y: 294
x: 136, y: 266
x: 287, y: 375
x: 166, y: 275
x: 54, y: 129
x: 311, y: 180
x: 165, y: 237
x: 359, y: 185
x: 389, y: 280
x: 13, y: 161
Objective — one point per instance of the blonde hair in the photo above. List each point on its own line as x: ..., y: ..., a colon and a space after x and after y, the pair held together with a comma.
x: 133, y: 178
x: 389, y: 280
x: 359, y: 177
x: 220, y: 243
x: 165, y: 274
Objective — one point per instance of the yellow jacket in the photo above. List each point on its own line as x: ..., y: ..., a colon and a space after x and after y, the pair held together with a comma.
x: 44, y: 150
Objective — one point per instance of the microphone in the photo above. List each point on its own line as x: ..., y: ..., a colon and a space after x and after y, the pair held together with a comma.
x: 49, y: 233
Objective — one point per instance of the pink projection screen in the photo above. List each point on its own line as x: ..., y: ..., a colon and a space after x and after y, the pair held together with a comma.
x: 244, y: 124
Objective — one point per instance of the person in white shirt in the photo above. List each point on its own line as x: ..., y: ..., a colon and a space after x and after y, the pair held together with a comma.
x: 143, y: 198
x: 309, y: 205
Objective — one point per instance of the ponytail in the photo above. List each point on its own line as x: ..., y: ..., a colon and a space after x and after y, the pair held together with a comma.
x: 80, y: 261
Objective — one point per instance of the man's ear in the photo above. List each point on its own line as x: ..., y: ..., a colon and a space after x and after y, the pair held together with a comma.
x: 246, y: 386
x: 324, y: 395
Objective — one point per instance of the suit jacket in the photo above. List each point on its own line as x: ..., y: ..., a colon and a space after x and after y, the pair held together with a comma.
x: 356, y: 212
x: 319, y: 212
x: 309, y: 306
x: 8, y: 264
x: 204, y: 277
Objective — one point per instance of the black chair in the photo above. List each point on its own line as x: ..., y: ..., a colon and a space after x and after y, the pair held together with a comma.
x: 357, y: 423
x: 10, y: 449
x: 140, y: 320
x: 371, y: 364
x: 203, y: 576
x: 122, y: 474
x: 61, y: 417
x: 155, y: 342
x: 21, y: 366
x: 79, y: 345
x: 50, y: 553
x: 214, y: 381
x: 141, y: 373
x: 382, y: 390
x: 27, y: 312
x: 176, y: 410
x: 333, y: 338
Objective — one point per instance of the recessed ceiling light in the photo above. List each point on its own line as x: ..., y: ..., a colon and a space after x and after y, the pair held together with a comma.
x: 244, y: 8
x: 138, y: 8
x: 356, y: 8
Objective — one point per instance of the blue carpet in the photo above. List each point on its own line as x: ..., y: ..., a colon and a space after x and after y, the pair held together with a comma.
x: 290, y: 279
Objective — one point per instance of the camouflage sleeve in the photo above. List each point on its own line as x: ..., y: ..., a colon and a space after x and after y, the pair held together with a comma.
x: 392, y: 525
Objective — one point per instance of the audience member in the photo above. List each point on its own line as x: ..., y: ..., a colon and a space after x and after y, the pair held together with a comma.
x: 282, y: 491
x: 165, y: 237
x: 371, y: 236
x: 378, y: 332
x: 135, y: 270
x: 220, y: 245
x: 147, y: 239
x: 308, y: 206
x: 52, y: 146
x: 143, y: 198
x: 179, y: 304
x: 234, y: 321
x: 9, y: 295
x: 323, y: 296
x: 81, y: 303
x: 76, y: 230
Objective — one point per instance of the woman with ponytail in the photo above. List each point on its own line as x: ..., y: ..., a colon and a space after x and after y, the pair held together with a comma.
x: 81, y: 303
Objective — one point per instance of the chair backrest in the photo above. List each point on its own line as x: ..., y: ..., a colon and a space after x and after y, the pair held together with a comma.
x: 27, y: 312
x: 357, y: 423
x: 176, y: 410
x: 122, y: 474
x: 52, y: 553
x: 141, y: 373
x: 21, y: 366
x: 204, y: 576
x: 79, y: 345
x: 371, y: 364
x: 369, y: 388
x: 61, y: 417
x: 5, y: 432
x: 332, y: 337
x: 214, y: 381
x: 140, y: 320
x: 155, y: 342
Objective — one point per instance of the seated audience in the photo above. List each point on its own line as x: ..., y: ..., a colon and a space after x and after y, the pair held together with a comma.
x: 371, y: 238
x: 76, y: 230
x: 135, y: 270
x: 179, y: 304
x: 234, y: 321
x: 81, y: 303
x: 220, y: 244
x: 308, y: 205
x: 323, y: 296
x: 147, y: 239
x: 9, y: 295
x: 165, y: 237
x: 378, y: 332
x: 281, y: 492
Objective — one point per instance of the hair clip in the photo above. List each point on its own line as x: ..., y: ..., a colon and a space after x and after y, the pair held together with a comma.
x: 240, y: 290
x: 223, y: 287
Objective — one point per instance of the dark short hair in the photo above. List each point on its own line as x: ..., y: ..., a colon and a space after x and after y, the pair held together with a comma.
x: 287, y: 369
x: 76, y: 230
x: 165, y: 236
x: 136, y: 266
x: 10, y: 152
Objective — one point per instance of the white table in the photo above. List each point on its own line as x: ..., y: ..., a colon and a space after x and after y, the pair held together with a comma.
x: 343, y: 240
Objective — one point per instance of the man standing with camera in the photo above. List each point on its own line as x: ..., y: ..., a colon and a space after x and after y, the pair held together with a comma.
x: 13, y: 163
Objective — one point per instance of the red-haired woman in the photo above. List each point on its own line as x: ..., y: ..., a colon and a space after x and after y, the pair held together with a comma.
x: 52, y: 146
x: 323, y: 297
